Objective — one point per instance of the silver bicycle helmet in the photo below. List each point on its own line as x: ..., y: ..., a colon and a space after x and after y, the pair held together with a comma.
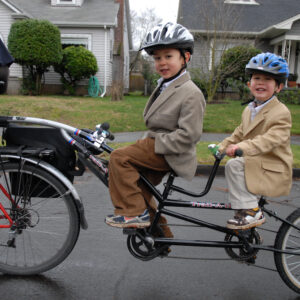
x: 168, y: 35
x: 269, y: 63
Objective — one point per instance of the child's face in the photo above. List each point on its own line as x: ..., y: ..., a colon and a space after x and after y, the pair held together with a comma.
x: 263, y: 86
x: 168, y: 62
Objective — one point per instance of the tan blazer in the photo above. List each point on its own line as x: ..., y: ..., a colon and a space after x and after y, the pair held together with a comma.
x: 175, y: 120
x: 265, y: 142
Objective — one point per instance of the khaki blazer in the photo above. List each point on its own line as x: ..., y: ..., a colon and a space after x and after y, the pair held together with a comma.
x: 175, y: 120
x: 265, y: 142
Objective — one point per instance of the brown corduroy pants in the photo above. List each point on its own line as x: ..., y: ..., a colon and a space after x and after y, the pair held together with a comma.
x: 129, y: 195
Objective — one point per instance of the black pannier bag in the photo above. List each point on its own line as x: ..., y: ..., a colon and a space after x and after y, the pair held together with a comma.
x: 64, y: 158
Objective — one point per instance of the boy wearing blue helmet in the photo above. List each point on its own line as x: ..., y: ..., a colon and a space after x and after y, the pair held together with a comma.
x: 264, y: 137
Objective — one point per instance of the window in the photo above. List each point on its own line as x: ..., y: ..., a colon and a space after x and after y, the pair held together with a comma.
x: 84, y: 40
x: 241, y: 2
x: 66, y: 1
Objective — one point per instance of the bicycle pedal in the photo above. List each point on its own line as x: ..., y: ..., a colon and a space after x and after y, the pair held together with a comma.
x: 165, y: 252
x: 129, y: 231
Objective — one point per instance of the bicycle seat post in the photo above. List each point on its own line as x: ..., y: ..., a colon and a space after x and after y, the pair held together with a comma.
x: 168, y: 185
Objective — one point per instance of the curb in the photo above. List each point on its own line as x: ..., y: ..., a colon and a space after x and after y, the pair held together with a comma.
x: 206, y: 169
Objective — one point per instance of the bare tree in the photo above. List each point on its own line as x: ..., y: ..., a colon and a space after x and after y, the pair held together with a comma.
x: 221, y: 22
x: 141, y: 25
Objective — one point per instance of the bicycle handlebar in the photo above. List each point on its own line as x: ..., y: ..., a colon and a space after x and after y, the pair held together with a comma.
x: 218, y: 155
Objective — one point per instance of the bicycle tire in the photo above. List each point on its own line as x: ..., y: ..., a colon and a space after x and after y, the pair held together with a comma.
x: 45, y: 217
x: 288, y: 265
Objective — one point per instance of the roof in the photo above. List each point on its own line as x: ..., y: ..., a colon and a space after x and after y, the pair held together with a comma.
x: 256, y: 19
x: 91, y: 13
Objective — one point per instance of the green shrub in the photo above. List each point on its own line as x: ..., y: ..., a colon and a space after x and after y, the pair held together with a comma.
x: 77, y: 63
x: 35, y: 44
x: 290, y: 96
x: 233, y: 65
x: 244, y: 91
x: 201, y: 84
x: 234, y: 61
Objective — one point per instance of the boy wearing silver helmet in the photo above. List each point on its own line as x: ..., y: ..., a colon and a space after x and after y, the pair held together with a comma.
x: 174, y: 117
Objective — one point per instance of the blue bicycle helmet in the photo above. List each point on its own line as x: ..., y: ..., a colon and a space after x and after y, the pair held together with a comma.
x: 269, y: 63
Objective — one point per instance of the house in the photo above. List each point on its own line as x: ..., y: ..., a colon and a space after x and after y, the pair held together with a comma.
x: 102, y: 26
x: 269, y: 25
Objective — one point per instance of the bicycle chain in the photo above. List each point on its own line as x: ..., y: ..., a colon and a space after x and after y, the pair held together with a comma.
x: 240, y: 260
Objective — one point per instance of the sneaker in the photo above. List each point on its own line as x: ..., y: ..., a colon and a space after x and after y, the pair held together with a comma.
x: 246, y: 219
x: 123, y: 222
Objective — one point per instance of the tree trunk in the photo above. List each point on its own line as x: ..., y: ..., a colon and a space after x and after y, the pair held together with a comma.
x: 117, y: 91
x: 117, y: 84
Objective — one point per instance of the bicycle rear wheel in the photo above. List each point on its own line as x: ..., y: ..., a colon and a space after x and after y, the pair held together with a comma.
x: 45, y: 220
x: 288, y: 265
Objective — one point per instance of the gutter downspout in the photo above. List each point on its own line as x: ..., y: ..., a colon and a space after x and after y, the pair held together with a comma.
x: 105, y: 50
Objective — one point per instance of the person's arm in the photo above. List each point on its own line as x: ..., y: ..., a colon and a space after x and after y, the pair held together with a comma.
x: 235, y: 138
x: 277, y: 134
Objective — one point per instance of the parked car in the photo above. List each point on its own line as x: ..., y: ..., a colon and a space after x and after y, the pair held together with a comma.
x: 5, y: 61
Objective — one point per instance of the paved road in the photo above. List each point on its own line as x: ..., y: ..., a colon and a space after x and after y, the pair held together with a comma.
x: 100, y: 267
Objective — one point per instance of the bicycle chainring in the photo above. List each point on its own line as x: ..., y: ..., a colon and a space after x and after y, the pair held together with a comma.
x: 242, y: 254
x: 142, y: 246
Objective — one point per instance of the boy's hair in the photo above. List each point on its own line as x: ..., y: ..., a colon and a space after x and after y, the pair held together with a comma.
x: 278, y: 82
x: 270, y: 64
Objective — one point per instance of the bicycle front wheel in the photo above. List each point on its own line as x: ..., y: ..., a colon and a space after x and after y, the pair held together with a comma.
x: 45, y: 221
x: 288, y: 265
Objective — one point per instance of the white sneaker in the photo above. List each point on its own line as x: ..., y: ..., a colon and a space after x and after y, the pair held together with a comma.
x: 246, y: 219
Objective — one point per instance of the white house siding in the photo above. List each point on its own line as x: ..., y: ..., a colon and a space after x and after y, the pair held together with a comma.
x: 200, y: 56
x: 5, y: 22
x: 295, y: 30
x: 98, y: 49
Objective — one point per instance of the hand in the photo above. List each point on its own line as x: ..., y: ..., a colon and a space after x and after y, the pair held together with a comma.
x: 230, y: 150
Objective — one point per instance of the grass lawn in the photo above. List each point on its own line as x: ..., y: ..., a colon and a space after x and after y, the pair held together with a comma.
x: 127, y: 115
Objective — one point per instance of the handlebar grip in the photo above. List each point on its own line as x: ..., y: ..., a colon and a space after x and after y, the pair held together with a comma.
x: 105, y: 126
x: 238, y: 152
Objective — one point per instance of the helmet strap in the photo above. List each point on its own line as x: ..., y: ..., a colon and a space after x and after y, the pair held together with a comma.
x: 176, y: 75
x: 159, y: 89
x: 181, y: 69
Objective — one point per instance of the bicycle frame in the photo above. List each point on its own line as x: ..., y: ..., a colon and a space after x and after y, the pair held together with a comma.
x: 164, y: 202
x: 5, y: 216
x: 100, y: 170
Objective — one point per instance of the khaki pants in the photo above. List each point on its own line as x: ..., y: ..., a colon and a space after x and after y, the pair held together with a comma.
x: 128, y: 194
x: 239, y: 196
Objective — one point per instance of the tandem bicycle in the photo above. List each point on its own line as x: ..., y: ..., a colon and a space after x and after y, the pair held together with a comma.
x: 41, y: 213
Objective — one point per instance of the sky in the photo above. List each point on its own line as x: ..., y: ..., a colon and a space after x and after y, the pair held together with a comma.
x: 165, y: 9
